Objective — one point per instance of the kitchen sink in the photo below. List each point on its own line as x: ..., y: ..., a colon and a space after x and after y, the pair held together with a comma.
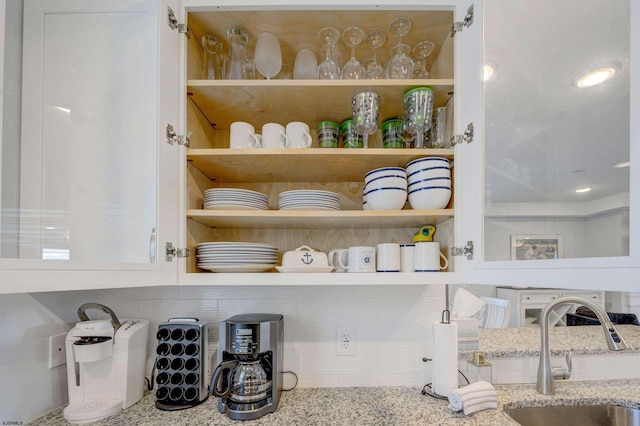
x: 582, y: 415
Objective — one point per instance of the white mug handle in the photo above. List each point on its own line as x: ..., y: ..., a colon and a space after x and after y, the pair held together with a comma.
x: 446, y: 262
x: 286, y: 140
x: 255, y: 140
x: 308, y: 140
x: 340, y: 253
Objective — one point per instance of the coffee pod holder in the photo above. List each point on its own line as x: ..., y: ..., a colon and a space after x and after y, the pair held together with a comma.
x: 181, y: 355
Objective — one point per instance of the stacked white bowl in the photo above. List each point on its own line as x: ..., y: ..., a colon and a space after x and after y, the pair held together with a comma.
x: 429, y: 183
x: 385, y: 189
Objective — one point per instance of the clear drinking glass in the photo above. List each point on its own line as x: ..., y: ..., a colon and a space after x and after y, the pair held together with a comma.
x: 211, y: 47
x: 422, y: 51
x: 328, y: 69
x: 353, y: 69
x: 238, y: 39
x: 373, y: 67
x: 400, y: 65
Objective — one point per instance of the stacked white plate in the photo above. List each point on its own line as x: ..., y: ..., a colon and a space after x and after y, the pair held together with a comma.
x: 237, y: 257
x: 309, y: 200
x: 234, y: 199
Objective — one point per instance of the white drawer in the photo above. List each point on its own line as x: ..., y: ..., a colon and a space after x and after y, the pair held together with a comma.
x: 594, y: 296
x: 538, y: 298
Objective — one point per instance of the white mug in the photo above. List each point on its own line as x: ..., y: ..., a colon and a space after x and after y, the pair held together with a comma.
x: 299, y: 134
x: 388, y: 257
x: 243, y: 135
x: 334, y: 255
x: 427, y: 257
x: 359, y: 259
x: 406, y: 257
x: 274, y: 136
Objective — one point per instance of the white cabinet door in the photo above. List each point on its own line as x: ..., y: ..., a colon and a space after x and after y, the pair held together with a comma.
x: 541, y: 137
x: 92, y: 204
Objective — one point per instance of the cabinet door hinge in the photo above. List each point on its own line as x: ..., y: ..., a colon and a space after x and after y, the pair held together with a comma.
x: 467, y: 250
x: 173, y: 23
x: 172, y: 252
x: 173, y: 137
x: 467, y: 136
x: 459, y: 26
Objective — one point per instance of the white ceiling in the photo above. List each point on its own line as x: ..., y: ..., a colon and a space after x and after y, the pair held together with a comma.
x: 545, y: 137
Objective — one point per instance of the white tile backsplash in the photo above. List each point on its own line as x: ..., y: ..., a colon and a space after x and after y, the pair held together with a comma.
x: 393, y: 324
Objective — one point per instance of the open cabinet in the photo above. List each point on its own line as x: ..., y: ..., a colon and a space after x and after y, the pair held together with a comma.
x: 212, y: 105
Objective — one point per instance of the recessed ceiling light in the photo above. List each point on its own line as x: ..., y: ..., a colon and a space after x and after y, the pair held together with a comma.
x: 596, y: 75
x: 487, y: 72
x: 622, y: 165
x: 584, y: 189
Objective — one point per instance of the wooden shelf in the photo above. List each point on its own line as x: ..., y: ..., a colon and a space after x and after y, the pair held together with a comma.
x: 302, y: 165
x: 310, y: 101
x: 362, y: 219
x: 320, y: 279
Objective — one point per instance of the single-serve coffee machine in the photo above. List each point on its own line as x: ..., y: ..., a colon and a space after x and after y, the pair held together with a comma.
x: 248, y: 379
x: 105, y: 365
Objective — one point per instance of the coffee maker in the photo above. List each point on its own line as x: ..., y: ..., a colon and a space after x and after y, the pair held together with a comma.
x: 248, y: 379
x: 105, y: 365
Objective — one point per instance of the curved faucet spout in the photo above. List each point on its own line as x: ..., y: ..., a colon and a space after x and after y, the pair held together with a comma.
x: 615, y: 342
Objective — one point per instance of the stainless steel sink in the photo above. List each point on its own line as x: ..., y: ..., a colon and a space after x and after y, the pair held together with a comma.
x: 582, y: 415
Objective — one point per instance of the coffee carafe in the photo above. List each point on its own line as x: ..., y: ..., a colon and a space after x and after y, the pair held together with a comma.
x: 248, y: 379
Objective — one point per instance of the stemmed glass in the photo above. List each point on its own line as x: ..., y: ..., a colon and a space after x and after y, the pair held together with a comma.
x: 353, y: 69
x: 422, y: 51
x: 365, y: 109
x: 328, y: 69
x: 373, y: 67
x: 400, y: 64
x: 268, y: 55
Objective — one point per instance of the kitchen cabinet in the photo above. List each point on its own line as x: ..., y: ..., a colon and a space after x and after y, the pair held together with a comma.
x: 85, y: 185
x: 213, y: 105
x: 202, y: 110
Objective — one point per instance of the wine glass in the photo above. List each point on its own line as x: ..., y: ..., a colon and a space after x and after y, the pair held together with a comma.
x: 328, y: 69
x: 365, y: 108
x: 353, y: 69
x: 268, y: 57
x: 418, y: 107
x: 400, y: 64
x: 422, y: 51
x: 373, y: 67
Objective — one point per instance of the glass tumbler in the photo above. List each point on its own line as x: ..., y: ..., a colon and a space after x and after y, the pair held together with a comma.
x: 211, y: 47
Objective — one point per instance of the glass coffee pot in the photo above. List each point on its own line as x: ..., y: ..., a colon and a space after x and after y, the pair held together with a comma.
x: 241, y: 381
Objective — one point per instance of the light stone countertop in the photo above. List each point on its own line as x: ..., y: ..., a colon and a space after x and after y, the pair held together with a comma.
x: 375, y: 406
x: 525, y: 341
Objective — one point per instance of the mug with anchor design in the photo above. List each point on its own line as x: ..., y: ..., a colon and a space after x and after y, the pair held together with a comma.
x: 304, y: 256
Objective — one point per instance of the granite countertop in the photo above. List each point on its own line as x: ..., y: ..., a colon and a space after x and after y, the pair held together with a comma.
x: 525, y: 341
x: 376, y: 406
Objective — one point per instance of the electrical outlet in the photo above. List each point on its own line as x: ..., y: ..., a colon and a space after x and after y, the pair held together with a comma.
x: 346, y: 341
x: 57, y: 351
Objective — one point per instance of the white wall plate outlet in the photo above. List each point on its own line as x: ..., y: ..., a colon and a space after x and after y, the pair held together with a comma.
x: 346, y: 341
x: 57, y: 351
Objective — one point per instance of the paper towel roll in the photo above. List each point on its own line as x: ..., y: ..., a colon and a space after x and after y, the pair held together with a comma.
x: 445, y: 358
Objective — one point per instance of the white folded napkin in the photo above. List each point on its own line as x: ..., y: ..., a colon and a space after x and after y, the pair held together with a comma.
x: 475, y: 397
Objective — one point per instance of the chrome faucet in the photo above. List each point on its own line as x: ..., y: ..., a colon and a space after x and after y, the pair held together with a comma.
x: 547, y: 374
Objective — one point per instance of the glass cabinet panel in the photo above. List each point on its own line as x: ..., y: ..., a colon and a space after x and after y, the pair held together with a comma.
x: 79, y: 143
x: 556, y: 129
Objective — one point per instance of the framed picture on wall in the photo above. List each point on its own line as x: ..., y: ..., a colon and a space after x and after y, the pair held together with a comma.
x: 533, y: 247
